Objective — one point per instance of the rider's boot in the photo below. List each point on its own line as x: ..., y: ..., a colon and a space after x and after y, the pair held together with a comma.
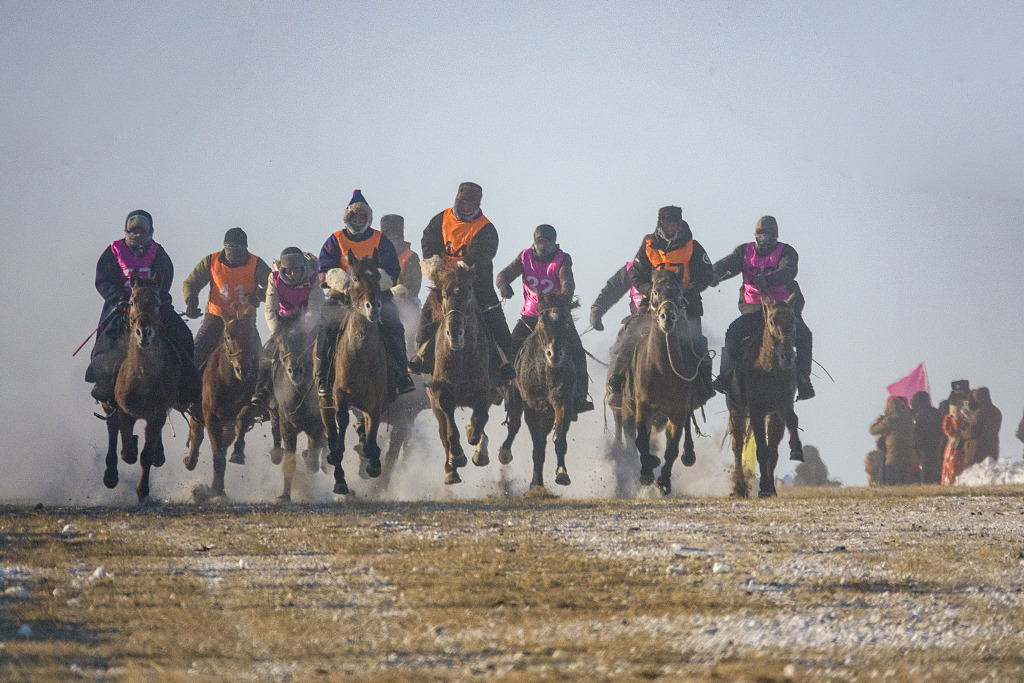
x: 804, y: 388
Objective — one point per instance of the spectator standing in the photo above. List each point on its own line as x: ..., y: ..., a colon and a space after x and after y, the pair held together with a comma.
x: 982, y: 431
x: 955, y: 458
x: 929, y: 440
x: 897, y: 426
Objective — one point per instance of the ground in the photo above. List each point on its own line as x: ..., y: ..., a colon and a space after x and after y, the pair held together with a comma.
x: 920, y: 583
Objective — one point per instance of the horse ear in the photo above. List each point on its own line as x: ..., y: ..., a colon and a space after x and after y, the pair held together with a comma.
x: 133, y: 278
x: 350, y: 258
x: 156, y: 281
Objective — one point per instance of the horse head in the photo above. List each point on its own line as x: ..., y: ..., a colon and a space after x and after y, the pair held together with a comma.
x: 144, y: 310
x: 553, y: 327
x: 364, y: 287
x: 779, y: 324
x: 296, y: 354
x: 666, y: 299
x: 237, y: 333
x: 454, y: 284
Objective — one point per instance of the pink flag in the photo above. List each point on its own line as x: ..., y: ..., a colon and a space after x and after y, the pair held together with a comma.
x: 916, y: 381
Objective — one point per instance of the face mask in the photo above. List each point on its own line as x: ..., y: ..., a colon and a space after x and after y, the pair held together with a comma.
x: 766, y: 242
x: 357, y: 224
x: 235, y: 254
x: 138, y: 241
x: 544, y: 249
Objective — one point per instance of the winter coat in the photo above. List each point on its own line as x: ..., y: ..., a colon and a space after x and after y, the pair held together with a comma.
x: 982, y: 431
x: 313, y: 306
x: 699, y: 265
x: 954, y: 461
x: 897, y: 426
x: 785, y: 274
x: 201, y: 276
x: 479, y: 255
x: 929, y: 442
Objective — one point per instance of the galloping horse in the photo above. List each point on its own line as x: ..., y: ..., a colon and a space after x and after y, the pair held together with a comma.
x: 545, y: 388
x: 360, y: 366
x: 463, y: 375
x: 295, y: 396
x: 228, y: 384
x: 146, y: 386
x: 662, y: 378
x: 767, y: 383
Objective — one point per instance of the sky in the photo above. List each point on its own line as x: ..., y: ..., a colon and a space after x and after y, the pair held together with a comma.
x: 884, y: 138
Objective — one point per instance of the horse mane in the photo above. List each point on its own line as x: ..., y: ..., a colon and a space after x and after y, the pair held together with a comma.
x: 563, y: 302
x: 443, y: 274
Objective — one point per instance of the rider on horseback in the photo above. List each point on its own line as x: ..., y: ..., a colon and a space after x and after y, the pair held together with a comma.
x: 769, y: 268
x: 136, y: 252
x: 358, y: 240
x: 292, y: 297
x: 235, y: 277
x: 618, y: 286
x: 670, y: 247
x: 545, y: 268
x: 463, y: 233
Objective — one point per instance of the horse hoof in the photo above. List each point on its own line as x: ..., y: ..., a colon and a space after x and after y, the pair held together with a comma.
x: 341, y: 488
x: 459, y: 460
x: 110, y: 478
x: 131, y: 458
x: 190, y: 462
x: 373, y: 468
x: 797, y: 454
x: 767, y: 494
x: 284, y: 499
x: 505, y: 455
x: 452, y: 478
x: 158, y: 457
x: 237, y: 458
x: 481, y: 459
x: 688, y: 458
x: 276, y: 455
x: 665, y: 486
x: 646, y: 478
x: 562, y: 477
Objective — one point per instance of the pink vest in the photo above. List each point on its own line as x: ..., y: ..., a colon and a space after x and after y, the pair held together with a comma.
x: 635, y: 297
x: 754, y: 265
x: 291, y: 300
x: 539, y: 278
x: 129, y: 262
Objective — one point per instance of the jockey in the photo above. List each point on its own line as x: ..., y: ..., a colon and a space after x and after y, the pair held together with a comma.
x: 235, y: 277
x: 463, y: 233
x: 360, y: 240
x: 618, y: 286
x: 407, y: 290
x: 671, y: 247
x: 293, y: 297
x: 139, y: 253
x: 768, y: 267
x: 545, y: 268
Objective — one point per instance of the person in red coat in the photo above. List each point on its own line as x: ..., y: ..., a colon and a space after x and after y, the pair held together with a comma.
x: 954, y: 461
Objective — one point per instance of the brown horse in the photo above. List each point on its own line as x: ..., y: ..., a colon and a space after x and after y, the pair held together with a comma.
x: 146, y: 387
x: 767, y: 383
x: 296, y: 403
x: 545, y: 388
x: 229, y: 381
x: 661, y: 379
x: 360, y: 368
x: 463, y: 375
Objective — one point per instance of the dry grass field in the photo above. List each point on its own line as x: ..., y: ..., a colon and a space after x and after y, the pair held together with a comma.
x: 852, y: 584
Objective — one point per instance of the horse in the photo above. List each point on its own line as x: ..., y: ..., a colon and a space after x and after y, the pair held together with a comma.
x: 655, y: 383
x: 360, y: 367
x: 766, y: 386
x: 146, y: 387
x: 463, y: 372
x: 229, y: 381
x: 544, y: 388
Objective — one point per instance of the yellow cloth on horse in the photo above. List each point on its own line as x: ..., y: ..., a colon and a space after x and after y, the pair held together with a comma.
x: 750, y: 454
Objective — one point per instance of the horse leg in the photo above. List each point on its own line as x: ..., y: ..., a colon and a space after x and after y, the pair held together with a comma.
x: 475, y: 433
x: 110, y: 477
x: 561, y: 427
x: 371, y: 450
x: 540, y: 426
x: 219, y: 445
x: 796, y: 448
x: 153, y: 428
x: 643, y: 446
x: 129, y: 442
x: 276, y: 452
x: 689, y: 454
x: 238, y: 452
x: 738, y: 433
x: 338, y: 446
x: 766, y: 488
x: 312, y: 453
x: 515, y: 423
x: 776, y: 428
x: 444, y: 411
x: 290, y: 437
x: 400, y: 428
x: 196, y: 433
x: 673, y: 432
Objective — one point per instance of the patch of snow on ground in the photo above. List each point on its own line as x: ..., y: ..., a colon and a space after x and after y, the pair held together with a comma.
x: 992, y: 472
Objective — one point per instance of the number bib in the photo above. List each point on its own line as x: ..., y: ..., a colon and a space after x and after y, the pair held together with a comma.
x: 230, y: 287
x: 539, y: 277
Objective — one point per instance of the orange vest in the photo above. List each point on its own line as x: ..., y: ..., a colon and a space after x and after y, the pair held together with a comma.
x: 230, y: 287
x: 359, y: 249
x: 671, y: 260
x: 458, y: 235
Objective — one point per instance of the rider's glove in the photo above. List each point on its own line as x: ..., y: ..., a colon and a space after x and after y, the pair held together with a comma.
x: 595, y: 320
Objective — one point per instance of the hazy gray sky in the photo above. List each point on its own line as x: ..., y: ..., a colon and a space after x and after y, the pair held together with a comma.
x: 886, y: 140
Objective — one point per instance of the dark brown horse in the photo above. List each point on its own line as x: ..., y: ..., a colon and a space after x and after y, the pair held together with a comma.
x: 545, y: 388
x: 360, y: 368
x: 229, y: 381
x: 146, y: 387
x: 767, y: 384
x: 662, y: 378
x: 463, y: 375
x: 296, y: 403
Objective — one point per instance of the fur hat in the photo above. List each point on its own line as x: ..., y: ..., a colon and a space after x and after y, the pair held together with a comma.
x: 355, y: 205
x: 237, y: 237
x: 138, y: 218
x: 767, y: 225
x: 545, y: 232
x: 670, y: 213
x: 292, y: 257
x: 393, y: 227
x: 468, y: 190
